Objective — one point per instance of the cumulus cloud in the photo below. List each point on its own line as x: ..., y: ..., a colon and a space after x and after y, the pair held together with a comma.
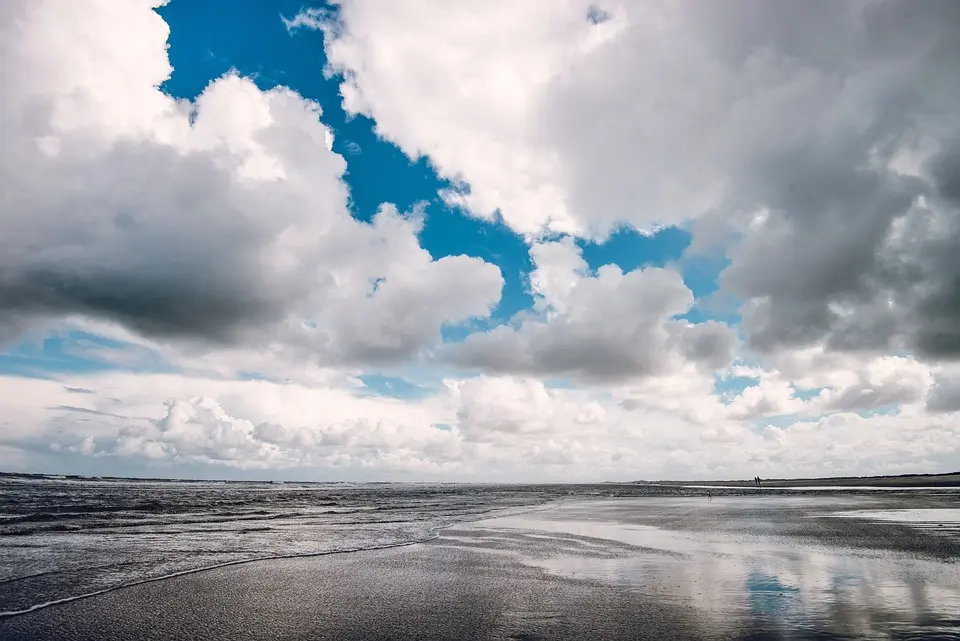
x: 820, y: 134
x: 796, y: 386
x: 607, y: 326
x: 221, y: 221
x: 177, y: 421
x: 880, y: 383
x: 199, y: 430
x: 486, y: 428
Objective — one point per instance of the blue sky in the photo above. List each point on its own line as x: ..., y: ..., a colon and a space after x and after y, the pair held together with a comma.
x: 640, y: 272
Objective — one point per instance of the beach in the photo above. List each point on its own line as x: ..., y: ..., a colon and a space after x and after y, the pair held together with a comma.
x: 808, y: 566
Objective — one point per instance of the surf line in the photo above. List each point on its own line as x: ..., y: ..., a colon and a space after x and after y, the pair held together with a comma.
x: 485, y: 514
x: 41, y: 606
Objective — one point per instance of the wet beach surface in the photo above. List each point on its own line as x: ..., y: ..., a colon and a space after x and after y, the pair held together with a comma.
x: 757, y: 566
x: 60, y: 538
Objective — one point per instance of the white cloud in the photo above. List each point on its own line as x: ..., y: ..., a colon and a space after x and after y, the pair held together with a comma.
x: 844, y: 382
x: 806, y: 112
x: 803, y: 383
x: 249, y: 425
x: 461, y: 84
x: 487, y: 428
x: 606, y: 326
x: 649, y: 116
x: 218, y: 222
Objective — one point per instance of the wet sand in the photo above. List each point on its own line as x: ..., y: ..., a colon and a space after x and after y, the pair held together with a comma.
x: 769, y: 567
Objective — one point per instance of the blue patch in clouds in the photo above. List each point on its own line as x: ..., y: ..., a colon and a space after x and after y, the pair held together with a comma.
x: 701, y: 275
x: 806, y: 393
x: 75, y: 353
x: 628, y: 249
x: 392, y: 386
x: 884, y: 410
x: 727, y: 388
x: 784, y: 420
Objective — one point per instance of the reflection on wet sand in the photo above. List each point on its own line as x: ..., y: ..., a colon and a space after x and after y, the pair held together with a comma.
x: 772, y: 563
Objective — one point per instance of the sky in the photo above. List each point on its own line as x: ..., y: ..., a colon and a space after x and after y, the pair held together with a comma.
x: 552, y: 240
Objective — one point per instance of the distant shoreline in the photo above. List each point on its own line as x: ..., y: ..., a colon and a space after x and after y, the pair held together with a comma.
x: 903, y: 480
x: 950, y: 479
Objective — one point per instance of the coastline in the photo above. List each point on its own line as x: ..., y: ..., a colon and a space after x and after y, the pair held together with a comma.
x: 902, y: 481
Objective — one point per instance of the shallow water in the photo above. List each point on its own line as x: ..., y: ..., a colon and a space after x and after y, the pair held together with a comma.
x: 64, y: 538
x: 779, y: 564
x: 67, y: 537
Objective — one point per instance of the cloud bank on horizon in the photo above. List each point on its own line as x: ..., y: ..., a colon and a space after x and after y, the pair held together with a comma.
x: 554, y: 240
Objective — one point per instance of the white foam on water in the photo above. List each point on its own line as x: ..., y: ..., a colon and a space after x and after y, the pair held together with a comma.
x: 173, y: 575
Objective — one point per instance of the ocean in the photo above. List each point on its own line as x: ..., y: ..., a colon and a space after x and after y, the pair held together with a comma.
x: 61, y: 538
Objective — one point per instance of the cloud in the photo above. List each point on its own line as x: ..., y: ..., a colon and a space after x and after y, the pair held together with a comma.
x: 849, y: 245
x: 881, y: 383
x: 640, y: 117
x: 944, y: 395
x: 495, y: 428
x: 821, y: 135
x: 212, y: 223
x: 601, y: 327
x: 198, y: 430
x: 179, y: 421
x: 836, y: 381
x: 794, y: 386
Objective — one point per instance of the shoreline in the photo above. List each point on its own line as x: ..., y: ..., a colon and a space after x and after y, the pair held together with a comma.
x: 483, y: 515
x: 902, y: 481
x: 208, y: 568
x: 910, y: 480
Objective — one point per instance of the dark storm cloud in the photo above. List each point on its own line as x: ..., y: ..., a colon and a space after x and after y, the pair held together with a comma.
x: 175, y: 306
x: 851, y: 251
x: 144, y: 236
